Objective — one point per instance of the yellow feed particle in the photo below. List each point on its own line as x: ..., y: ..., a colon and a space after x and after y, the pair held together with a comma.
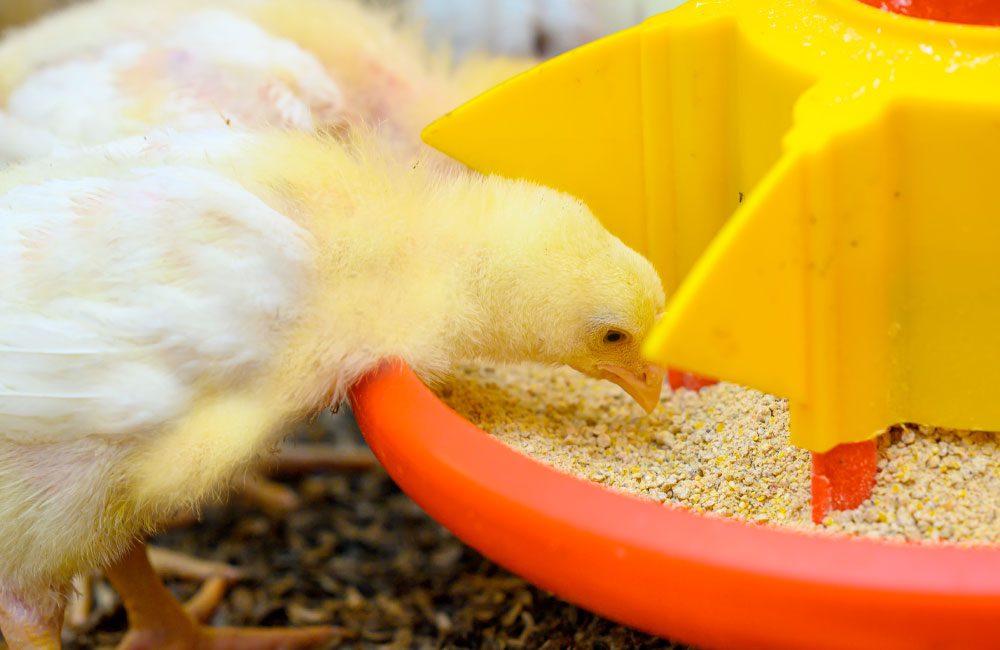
x: 726, y: 449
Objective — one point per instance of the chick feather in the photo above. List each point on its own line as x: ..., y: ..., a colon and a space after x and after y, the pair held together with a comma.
x: 169, y: 304
x: 110, y: 69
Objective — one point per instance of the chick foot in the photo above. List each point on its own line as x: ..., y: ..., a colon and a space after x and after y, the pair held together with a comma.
x: 158, y: 622
x: 216, y: 577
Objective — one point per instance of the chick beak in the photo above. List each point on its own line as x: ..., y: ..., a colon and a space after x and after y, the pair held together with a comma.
x: 643, y: 387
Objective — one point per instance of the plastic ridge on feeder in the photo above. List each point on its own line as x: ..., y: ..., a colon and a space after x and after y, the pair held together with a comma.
x: 813, y: 179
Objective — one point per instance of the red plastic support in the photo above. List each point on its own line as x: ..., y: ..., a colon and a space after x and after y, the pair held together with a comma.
x: 971, y: 12
x: 679, y: 379
x: 843, y: 477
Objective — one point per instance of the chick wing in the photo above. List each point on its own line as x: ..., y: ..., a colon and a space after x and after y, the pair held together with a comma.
x: 123, y: 296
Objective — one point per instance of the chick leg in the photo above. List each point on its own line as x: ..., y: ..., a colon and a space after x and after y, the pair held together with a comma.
x: 156, y: 619
x: 217, y: 577
x: 31, y: 625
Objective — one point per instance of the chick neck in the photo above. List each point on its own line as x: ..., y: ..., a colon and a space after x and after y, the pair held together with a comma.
x: 430, y: 265
x: 506, y: 304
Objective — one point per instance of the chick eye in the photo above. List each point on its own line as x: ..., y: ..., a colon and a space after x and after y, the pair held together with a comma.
x: 614, y: 336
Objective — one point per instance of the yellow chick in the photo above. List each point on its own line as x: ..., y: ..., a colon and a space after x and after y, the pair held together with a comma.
x: 169, y: 304
x: 108, y: 69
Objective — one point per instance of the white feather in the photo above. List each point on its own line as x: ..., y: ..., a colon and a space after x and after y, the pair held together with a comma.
x: 210, y: 68
x: 77, y: 101
x: 124, y: 295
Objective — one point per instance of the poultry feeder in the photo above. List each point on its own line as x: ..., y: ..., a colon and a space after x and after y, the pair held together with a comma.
x: 812, y: 180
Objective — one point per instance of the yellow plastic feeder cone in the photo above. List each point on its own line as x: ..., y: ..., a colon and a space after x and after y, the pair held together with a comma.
x: 816, y: 181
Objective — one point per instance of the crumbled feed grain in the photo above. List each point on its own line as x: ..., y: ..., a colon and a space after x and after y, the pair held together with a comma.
x: 725, y: 449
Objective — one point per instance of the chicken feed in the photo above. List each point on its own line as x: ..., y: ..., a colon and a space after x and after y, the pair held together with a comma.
x: 726, y: 450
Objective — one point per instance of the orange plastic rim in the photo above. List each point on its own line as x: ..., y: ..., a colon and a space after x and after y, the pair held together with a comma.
x: 707, y: 581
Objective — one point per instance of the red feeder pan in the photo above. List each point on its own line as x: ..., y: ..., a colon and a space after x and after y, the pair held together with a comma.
x: 704, y: 580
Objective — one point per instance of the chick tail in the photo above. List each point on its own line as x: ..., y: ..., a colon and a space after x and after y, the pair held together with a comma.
x: 200, y: 457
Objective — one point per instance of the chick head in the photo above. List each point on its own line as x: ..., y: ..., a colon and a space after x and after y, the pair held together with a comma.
x: 613, y: 306
x: 583, y: 297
